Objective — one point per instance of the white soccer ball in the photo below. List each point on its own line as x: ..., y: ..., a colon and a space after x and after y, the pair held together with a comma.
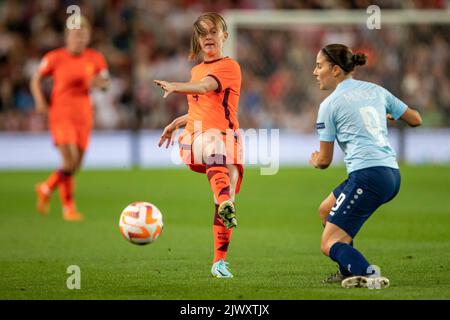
x: 141, y: 223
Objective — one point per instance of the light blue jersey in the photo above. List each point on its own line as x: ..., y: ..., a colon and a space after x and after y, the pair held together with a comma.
x: 354, y: 114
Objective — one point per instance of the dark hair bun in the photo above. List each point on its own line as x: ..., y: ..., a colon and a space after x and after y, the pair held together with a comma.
x: 359, y: 59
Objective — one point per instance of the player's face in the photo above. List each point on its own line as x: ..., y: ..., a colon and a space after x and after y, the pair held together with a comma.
x: 212, y: 41
x: 324, y: 73
x: 77, y: 40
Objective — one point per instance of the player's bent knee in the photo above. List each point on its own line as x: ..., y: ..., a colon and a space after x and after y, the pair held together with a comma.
x: 326, y: 245
x: 69, y: 171
x: 324, y: 248
x: 213, y: 145
x: 207, y: 151
x: 69, y: 168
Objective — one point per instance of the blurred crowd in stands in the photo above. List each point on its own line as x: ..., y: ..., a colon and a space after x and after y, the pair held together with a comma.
x: 144, y: 40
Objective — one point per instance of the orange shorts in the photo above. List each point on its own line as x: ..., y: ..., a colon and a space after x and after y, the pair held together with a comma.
x: 71, y: 132
x: 234, y: 154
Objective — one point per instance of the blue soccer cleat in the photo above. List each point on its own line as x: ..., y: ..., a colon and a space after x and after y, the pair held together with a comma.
x: 220, y: 270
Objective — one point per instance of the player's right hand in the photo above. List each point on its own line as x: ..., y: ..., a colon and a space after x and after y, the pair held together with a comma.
x: 168, y: 87
x: 313, y: 159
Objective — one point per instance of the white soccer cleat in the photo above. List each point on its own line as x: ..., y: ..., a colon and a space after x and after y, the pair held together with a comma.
x: 365, y: 282
x: 220, y: 270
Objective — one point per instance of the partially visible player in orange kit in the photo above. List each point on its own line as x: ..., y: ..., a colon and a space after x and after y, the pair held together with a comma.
x: 75, y: 69
x: 211, y: 142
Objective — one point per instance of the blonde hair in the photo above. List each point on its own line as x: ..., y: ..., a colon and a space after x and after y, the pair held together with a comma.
x: 198, y: 31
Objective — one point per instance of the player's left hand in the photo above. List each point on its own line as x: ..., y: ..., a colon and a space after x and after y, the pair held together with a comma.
x: 389, y: 117
x: 168, y: 87
x: 99, y: 82
x: 168, y: 134
x: 313, y: 158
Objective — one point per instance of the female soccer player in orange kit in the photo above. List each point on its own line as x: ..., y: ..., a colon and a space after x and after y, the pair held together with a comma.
x: 74, y: 69
x: 210, y: 142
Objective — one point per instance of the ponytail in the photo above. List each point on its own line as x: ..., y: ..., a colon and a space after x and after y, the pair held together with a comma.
x: 341, y: 55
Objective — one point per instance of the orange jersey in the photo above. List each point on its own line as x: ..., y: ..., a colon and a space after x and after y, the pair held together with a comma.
x: 217, y: 109
x: 71, y: 75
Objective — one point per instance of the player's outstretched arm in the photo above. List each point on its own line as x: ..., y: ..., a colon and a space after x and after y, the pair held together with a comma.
x: 168, y: 133
x: 38, y: 95
x: 410, y: 116
x: 203, y: 86
x: 322, y: 159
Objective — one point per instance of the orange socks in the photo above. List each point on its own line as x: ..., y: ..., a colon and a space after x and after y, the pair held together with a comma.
x: 218, y: 176
x: 63, y: 180
x: 53, y: 180
x: 66, y: 190
x: 222, y: 237
x: 219, y: 179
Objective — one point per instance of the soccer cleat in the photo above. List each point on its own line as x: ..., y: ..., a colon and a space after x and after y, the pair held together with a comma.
x: 365, y: 282
x: 220, y: 270
x: 227, y: 213
x: 336, y: 277
x: 43, y: 198
x: 72, y: 214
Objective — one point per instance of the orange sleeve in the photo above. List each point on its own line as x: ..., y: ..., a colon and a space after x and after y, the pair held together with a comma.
x: 100, y: 64
x: 47, y: 64
x: 226, y: 74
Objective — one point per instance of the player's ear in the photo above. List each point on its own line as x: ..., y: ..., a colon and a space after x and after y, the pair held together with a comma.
x: 336, y: 70
x: 89, y: 37
x: 225, y: 36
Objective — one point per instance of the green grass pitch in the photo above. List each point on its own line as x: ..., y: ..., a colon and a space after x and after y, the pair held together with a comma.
x: 274, y: 252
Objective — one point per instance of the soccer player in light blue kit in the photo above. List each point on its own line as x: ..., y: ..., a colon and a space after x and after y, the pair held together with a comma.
x: 354, y: 115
